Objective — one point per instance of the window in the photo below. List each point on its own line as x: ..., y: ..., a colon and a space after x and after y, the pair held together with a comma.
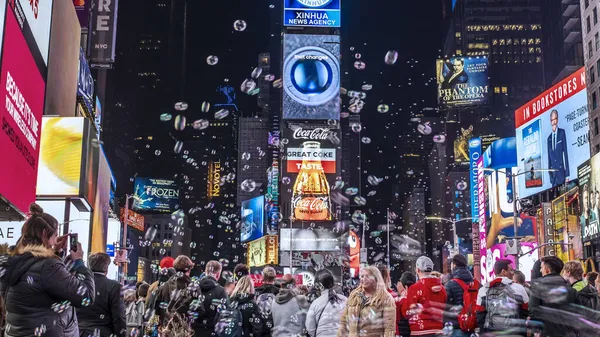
x: 590, y: 50
x: 504, y: 90
x: 588, y: 25
x: 595, y: 14
x: 496, y: 90
x: 596, y: 126
x: 597, y: 41
x: 598, y: 67
x: 592, y: 75
x: 594, y: 101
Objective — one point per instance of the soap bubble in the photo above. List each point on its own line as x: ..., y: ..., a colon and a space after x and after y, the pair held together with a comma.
x: 205, y: 107
x: 256, y: 73
x: 200, y: 124
x: 366, y: 140
x: 248, y: 85
x: 391, y: 57
x: 424, y: 129
x: 356, y: 127
x: 439, y: 139
x: 157, y: 152
x: 181, y: 106
x: 178, y: 146
x: 221, y: 114
x: 179, y: 123
x: 240, y: 25
x: 367, y: 87
x: 383, y: 108
x: 212, y: 60
x: 360, y: 65
x: 248, y: 185
x: 278, y: 84
x: 285, y: 180
x: 246, y: 156
x: 165, y: 117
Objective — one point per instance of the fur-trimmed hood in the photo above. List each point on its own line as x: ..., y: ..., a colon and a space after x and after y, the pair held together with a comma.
x: 23, y: 258
x: 35, y: 250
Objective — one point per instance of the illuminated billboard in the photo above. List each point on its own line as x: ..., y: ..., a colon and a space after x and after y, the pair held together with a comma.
x: 214, y: 179
x: 312, y: 13
x: 155, y: 195
x: 22, y: 88
x: 263, y: 251
x: 253, y: 219
x: 134, y: 220
x: 553, y: 133
x: 38, y: 15
x: 310, y: 240
x: 589, y: 194
x: 462, y: 81
x: 85, y: 83
x: 311, y: 77
x: 474, y: 155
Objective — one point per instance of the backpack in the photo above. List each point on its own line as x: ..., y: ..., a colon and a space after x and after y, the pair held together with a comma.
x: 467, y: 318
x: 229, y: 320
x: 134, y: 314
x: 501, y: 306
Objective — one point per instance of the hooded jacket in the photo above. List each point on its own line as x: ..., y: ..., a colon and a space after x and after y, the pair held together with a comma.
x: 362, y: 318
x: 323, y: 317
x: 587, y: 295
x: 214, y: 296
x: 429, y: 293
x: 454, y: 293
x: 552, y: 297
x: 176, y: 283
x: 41, y: 294
x: 267, y: 288
x: 252, y: 323
x: 289, y: 313
x: 107, y: 314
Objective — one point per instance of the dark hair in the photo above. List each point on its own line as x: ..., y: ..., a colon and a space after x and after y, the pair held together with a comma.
x: 535, y: 271
x: 240, y: 271
x: 501, y: 265
x: 325, y: 278
x: 408, y: 279
x: 591, y: 278
x: 99, y: 262
x: 520, y: 277
x: 143, y: 290
x: 166, y: 274
x: 39, y: 228
x: 459, y: 261
x: 554, y: 263
x: 183, y: 264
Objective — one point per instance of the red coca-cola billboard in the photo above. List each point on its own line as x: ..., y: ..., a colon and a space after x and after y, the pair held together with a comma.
x: 22, y: 94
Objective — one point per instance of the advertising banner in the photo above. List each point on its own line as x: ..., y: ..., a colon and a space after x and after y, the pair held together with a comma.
x: 38, y: 16
x: 10, y: 232
x: 22, y: 88
x: 553, y: 133
x: 253, y: 219
x: 263, y: 251
x: 85, y: 83
x: 2, y: 16
x: 82, y: 7
x: 315, y: 260
x: 462, y: 81
x: 311, y: 240
x: 98, y: 116
x: 589, y: 194
x: 101, y: 205
x: 311, y: 166
x: 474, y: 154
x: 311, y: 77
x: 103, y: 33
x: 312, y: 13
x: 134, y: 220
x: 214, y: 179
x: 155, y: 195
x: 459, y: 134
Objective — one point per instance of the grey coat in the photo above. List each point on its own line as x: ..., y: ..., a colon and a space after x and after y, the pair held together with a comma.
x: 289, y: 313
x: 323, y: 317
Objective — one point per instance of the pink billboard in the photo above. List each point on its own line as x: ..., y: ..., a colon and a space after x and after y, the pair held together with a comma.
x: 22, y: 94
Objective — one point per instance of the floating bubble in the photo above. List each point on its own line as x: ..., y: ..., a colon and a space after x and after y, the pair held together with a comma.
x: 332, y: 122
x: 248, y: 185
x: 240, y: 25
x: 360, y: 200
x: 439, y: 139
x: 357, y: 107
x: 424, y: 129
x: 256, y: 73
x: 278, y: 84
x: 205, y: 107
x: 383, y: 108
x: 352, y: 191
x: 356, y: 127
x: 221, y: 114
x: 360, y: 65
x: 366, y: 140
x: 391, y: 57
x: 357, y: 56
x: 371, y: 193
x: 367, y: 87
x: 344, y: 115
x: 248, y: 85
x: 410, y: 172
x: 246, y: 156
x: 165, y: 117
x: 461, y: 185
x: 200, y: 124
x: 178, y: 146
x: 181, y: 106
x: 150, y: 234
x: 373, y: 180
x: 179, y: 123
x: 157, y: 152
x: 285, y: 180
x: 212, y: 60
x: 415, y: 120
x: 339, y: 198
x: 358, y: 217
x: 254, y: 92
x: 269, y: 77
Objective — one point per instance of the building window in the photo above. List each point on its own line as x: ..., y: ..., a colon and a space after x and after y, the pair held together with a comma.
x: 595, y: 14
x: 590, y: 50
x: 598, y: 67
x: 496, y: 90
x: 592, y: 75
x: 588, y: 25
x: 594, y: 101
x: 596, y: 126
x: 504, y: 90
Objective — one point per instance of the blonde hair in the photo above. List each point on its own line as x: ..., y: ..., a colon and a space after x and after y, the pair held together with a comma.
x: 380, y: 299
x: 436, y: 274
x: 574, y: 268
x: 244, y: 286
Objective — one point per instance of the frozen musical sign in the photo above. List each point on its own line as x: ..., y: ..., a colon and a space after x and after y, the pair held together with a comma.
x: 312, y: 13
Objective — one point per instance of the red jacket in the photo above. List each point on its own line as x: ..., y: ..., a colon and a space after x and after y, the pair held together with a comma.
x: 428, y: 297
x: 398, y: 308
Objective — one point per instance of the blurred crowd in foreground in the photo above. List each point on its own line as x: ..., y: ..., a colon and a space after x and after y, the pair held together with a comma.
x: 46, y: 291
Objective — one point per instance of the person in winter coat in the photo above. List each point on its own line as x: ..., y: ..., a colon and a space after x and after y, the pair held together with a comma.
x: 370, y: 310
x: 40, y: 293
x: 214, y: 296
x: 425, y: 301
x: 106, y: 315
x: 454, y: 292
x: 406, y: 280
x: 243, y: 297
x: 587, y: 295
x: 288, y: 310
x: 135, y: 311
x: 551, y: 300
x: 268, y: 285
x: 322, y: 319
x: 385, y: 274
x: 183, y: 266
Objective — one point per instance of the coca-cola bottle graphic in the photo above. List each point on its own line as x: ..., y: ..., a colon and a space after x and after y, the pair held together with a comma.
x: 310, y: 198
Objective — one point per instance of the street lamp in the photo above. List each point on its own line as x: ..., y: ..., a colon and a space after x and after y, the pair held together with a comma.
x: 453, y: 222
x: 513, y: 177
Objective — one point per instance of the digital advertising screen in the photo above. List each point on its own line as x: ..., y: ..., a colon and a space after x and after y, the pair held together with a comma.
x: 589, y: 195
x: 263, y: 251
x: 155, y: 195
x: 101, y: 206
x: 38, y: 15
x: 309, y: 239
x: 253, y: 219
x: 85, y: 83
x: 553, y: 134
x: 312, y: 13
x: 61, y: 148
x: 462, y: 81
x: 311, y: 77
x: 309, y: 171
x: 22, y: 88
x: 474, y: 155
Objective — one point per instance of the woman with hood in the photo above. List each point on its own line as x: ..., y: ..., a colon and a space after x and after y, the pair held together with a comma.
x: 370, y: 310
x: 243, y: 297
x: 40, y: 293
x: 322, y: 319
x: 288, y: 310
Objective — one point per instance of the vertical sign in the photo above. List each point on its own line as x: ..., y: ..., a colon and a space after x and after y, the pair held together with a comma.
x: 82, y: 7
x: 85, y: 83
x: 103, y: 30
x: 548, y: 228
x: 482, y: 221
x: 474, y: 155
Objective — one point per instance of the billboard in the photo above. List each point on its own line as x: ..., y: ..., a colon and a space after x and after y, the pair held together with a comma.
x: 38, y: 15
x: 103, y: 33
x: 253, y: 219
x: 101, y: 206
x: 82, y: 7
x: 60, y: 158
x: 312, y: 13
x: 311, y: 77
x: 214, y: 179
x: 553, y: 133
x: 311, y: 167
x: 155, y: 195
x: 85, y: 83
x: 462, y: 81
x: 134, y: 220
x: 263, y: 251
x: 589, y: 192
x: 309, y: 239
x: 22, y: 88
x: 474, y: 155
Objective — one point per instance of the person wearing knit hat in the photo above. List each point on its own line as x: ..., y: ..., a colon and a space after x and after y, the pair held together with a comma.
x: 167, y: 262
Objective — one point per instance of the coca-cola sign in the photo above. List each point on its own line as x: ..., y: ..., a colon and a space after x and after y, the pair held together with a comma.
x: 312, y: 134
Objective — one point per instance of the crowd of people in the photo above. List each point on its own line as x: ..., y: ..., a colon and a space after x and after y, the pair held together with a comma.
x: 46, y: 292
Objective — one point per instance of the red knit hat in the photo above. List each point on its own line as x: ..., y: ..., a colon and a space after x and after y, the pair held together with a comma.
x: 167, y: 262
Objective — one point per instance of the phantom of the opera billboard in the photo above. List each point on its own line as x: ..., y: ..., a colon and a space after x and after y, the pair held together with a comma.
x: 462, y: 81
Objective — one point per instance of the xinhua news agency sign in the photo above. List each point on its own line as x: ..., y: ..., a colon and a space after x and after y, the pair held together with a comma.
x: 312, y: 13
x: 103, y: 32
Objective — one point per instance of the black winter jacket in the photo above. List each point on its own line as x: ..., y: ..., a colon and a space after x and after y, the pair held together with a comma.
x: 252, y: 323
x: 214, y: 296
x: 267, y: 288
x: 41, y: 294
x: 552, y: 303
x: 454, y: 292
x: 107, y: 314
